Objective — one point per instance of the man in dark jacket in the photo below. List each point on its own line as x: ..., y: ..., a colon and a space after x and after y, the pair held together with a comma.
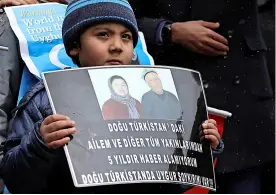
x: 223, y: 41
x: 267, y: 21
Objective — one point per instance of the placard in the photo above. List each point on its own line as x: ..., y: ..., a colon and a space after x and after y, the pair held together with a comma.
x: 134, y: 124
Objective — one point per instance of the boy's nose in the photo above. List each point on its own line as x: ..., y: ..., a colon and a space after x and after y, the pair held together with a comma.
x: 116, y: 46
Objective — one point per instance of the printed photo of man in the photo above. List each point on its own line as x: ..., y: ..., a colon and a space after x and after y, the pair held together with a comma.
x: 159, y: 103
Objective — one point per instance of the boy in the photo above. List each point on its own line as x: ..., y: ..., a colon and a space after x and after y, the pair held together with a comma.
x: 95, y: 33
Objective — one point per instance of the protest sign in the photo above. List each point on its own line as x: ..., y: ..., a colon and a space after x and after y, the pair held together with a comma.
x: 134, y: 124
x: 38, y: 29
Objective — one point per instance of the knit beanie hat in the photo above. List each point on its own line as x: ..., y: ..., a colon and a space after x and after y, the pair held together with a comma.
x: 81, y: 14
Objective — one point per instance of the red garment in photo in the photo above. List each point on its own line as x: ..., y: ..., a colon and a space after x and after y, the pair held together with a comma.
x: 113, y: 109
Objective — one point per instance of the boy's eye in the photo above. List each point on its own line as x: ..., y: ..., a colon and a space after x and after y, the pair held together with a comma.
x: 102, y: 34
x: 127, y: 36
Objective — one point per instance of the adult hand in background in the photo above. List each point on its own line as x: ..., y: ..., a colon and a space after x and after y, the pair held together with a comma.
x: 199, y: 37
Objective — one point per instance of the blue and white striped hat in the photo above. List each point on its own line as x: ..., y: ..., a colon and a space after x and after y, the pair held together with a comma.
x: 80, y: 14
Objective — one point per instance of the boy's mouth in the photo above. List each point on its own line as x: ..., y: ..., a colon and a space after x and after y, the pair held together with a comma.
x: 114, y: 62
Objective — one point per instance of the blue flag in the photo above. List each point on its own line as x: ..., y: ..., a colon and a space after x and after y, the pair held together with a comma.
x: 38, y: 29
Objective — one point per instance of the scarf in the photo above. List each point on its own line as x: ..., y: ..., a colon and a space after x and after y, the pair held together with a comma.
x: 129, y: 101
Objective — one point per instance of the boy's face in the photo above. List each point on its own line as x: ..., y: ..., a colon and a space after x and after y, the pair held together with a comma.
x: 105, y: 44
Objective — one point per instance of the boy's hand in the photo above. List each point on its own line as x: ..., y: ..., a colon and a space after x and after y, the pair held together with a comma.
x: 55, y: 130
x: 210, y: 132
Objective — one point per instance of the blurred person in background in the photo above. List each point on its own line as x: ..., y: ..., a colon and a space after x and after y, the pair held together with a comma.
x: 223, y: 41
x: 11, y: 67
x: 267, y: 21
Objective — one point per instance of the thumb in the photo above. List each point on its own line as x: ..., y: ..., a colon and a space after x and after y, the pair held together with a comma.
x: 212, y: 25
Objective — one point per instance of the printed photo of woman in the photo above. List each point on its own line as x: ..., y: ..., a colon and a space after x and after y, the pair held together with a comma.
x: 121, y: 105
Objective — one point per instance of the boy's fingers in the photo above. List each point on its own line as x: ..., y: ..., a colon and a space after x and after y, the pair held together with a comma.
x: 58, y: 125
x: 59, y: 143
x: 213, y: 139
x: 53, y: 118
x: 211, y: 132
x: 209, y: 126
x: 212, y: 121
x: 59, y: 134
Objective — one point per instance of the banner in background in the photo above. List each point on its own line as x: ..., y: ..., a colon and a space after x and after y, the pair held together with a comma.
x: 39, y: 31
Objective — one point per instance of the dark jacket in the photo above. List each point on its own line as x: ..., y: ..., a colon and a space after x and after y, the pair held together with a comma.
x: 29, y: 166
x: 267, y: 21
x: 238, y: 83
